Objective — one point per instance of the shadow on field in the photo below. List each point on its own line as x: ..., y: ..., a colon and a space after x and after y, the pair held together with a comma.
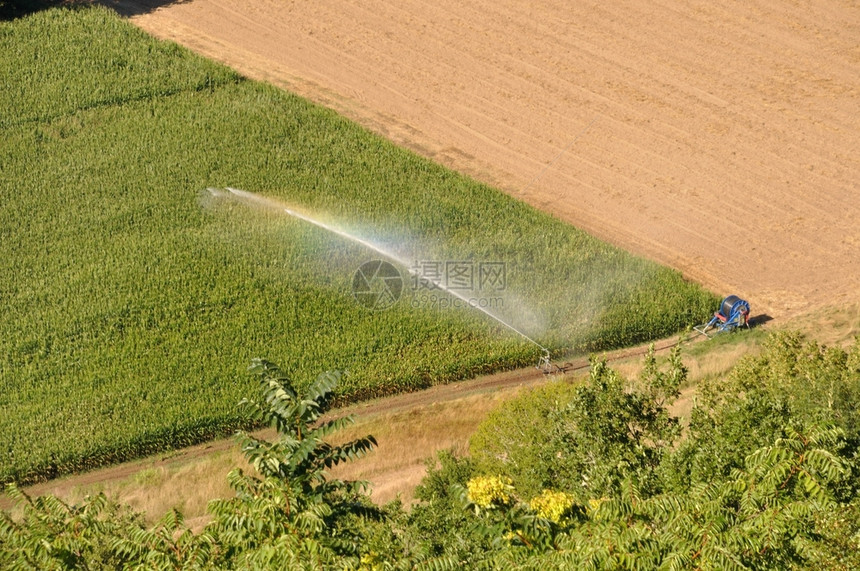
x: 129, y: 8
x: 11, y: 9
x: 760, y: 319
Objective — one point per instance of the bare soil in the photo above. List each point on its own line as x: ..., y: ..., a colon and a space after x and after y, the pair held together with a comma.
x: 717, y: 137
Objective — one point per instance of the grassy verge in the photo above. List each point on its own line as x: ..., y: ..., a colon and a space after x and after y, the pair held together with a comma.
x: 129, y: 312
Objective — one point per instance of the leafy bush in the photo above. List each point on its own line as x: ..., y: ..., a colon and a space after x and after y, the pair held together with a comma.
x: 791, y: 383
x: 765, y: 479
x: 584, y: 439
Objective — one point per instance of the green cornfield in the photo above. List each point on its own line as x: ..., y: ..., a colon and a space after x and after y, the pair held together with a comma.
x: 130, y: 305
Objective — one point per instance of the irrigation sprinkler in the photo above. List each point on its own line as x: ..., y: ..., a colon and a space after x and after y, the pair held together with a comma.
x: 733, y: 313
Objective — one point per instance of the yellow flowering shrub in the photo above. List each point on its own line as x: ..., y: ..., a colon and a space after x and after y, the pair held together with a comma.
x: 552, y: 505
x: 488, y: 491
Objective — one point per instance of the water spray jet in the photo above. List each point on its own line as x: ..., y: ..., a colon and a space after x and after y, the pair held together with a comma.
x: 544, y: 362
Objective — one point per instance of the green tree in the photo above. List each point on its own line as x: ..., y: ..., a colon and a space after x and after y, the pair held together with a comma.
x: 584, y: 439
x: 790, y: 384
x: 519, y: 439
x: 290, y: 515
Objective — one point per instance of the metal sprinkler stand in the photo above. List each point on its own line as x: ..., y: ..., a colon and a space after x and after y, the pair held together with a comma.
x: 544, y: 363
x: 548, y: 367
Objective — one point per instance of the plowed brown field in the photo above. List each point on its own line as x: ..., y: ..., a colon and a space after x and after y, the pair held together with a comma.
x: 719, y: 137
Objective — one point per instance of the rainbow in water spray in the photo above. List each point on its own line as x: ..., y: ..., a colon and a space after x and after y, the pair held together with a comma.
x: 251, y: 198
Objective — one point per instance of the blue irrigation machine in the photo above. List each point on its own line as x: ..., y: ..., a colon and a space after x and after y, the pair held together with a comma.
x: 734, y: 312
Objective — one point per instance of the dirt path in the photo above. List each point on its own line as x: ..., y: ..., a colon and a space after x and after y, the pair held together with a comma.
x: 721, y: 136
x: 389, y: 407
